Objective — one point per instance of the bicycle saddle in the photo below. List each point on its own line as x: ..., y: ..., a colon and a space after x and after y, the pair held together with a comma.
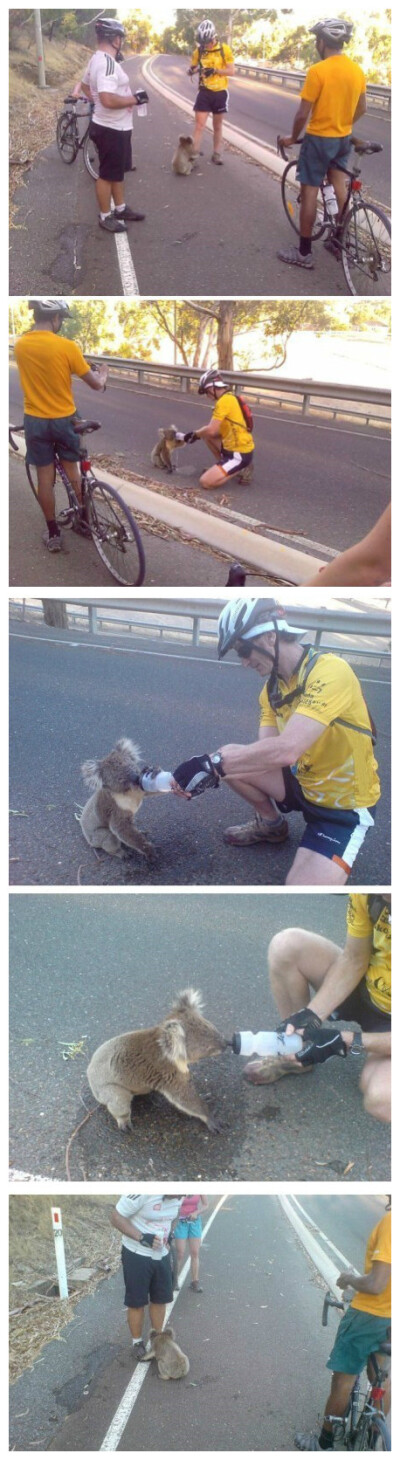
x: 81, y: 426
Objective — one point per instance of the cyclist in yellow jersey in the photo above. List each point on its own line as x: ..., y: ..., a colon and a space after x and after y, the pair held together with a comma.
x: 214, y: 60
x: 314, y: 753
x: 362, y: 1329
x: 227, y: 434
x: 332, y: 99
x: 46, y: 363
x: 313, y: 980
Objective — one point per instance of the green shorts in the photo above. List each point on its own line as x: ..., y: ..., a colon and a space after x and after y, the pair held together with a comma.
x: 359, y: 1335
x: 44, y: 437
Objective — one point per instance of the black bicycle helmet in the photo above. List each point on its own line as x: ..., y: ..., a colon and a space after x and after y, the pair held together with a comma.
x: 333, y: 31
x: 211, y: 378
x: 106, y: 27
x: 46, y: 308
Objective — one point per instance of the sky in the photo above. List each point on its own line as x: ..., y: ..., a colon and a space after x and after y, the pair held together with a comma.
x: 308, y: 12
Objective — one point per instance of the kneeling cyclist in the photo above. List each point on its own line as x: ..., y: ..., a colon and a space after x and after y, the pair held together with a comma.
x: 227, y: 434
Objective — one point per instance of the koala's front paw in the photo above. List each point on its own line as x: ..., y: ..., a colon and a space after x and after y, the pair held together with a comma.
x: 150, y: 852
x: 214, y: 1125
x: 125, y: 1125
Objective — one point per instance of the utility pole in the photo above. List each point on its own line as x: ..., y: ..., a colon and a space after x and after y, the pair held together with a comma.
x: 39, y: 49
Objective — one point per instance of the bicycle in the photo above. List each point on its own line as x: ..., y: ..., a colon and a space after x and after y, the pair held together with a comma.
x: 363, y: 1427
x: 363, y: 241
x: 70, y: 141
x: 102, y: 515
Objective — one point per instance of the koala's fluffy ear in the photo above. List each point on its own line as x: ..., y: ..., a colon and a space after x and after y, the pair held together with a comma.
x: 161, y: 432
x: 129, y: 747
x: 90, y: 773
x: 172, y: 1042
x: 182, y: 140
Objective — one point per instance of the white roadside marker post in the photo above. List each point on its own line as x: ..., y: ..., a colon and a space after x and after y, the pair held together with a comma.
x: 60, y: 1251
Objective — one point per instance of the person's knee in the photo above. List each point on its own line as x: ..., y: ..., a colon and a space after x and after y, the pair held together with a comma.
x: 375, y: 1089
x: 283, y: 949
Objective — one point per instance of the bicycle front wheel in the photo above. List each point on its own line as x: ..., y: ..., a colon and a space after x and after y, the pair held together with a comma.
x: 290, y: 190
x: 372, y: 1433
x: 367, y: 250
x: 67, y: 138
x: 115, y: 535
x: 91, y: 156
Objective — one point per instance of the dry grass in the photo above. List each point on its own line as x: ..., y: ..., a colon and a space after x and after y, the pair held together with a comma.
x: 89, y: 1241
x: 33, y: 112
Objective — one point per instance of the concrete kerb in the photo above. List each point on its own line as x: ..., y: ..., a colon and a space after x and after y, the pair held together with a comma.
x: 261, y: 553
x: 253, y: 148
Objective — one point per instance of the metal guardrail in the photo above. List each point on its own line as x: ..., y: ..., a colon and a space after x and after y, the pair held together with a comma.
x: 380, y: 95
x: 195, y: 622
x: 308, y: 395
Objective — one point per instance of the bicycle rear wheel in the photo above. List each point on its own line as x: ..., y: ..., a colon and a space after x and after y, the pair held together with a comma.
x: 91, y: 156
x: 372, y: 1433
x: 67, y: 138
x: 290, y: 190
x: 367, y: 250
x: 115, y: 535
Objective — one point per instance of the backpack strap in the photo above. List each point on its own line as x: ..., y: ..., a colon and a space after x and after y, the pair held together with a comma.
x: 348, y: 724
x: 376, y: 905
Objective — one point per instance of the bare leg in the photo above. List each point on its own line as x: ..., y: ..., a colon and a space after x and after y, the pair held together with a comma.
x: 118, y: 193
x: 375, y: 1084
x: 341, y: 185
x: 73, y: 472
x: 135, y: 1321
x: 103, y: 194
x: 298, y: 963
x: 157, y: 1315
x: 46, y: 477
x: 180, y: 1243
x: 259, y: 795
x: 200, y: 122
x: 194, y: 1249
x: 309, y: 869
x: 341, y: 1388
x: 218, y: 123
x: 308, y: 209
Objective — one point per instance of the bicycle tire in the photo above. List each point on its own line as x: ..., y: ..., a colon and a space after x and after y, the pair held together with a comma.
x: 292, y: 205
x: 372, y: 1433
x: 377, y: 251
x: 114, y: 532
x: 66, y: 138
x: 91, y: 157
x: 31, y: 479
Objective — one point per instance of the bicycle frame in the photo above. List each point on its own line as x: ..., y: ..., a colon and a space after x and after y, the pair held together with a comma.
x: 346, y: 1425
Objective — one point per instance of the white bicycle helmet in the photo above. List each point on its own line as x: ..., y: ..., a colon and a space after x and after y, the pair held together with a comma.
x: 205, y: 32
x: 247, y: 618
x: 211, y: 378
x: 48, y: 307
x: 332, y: 30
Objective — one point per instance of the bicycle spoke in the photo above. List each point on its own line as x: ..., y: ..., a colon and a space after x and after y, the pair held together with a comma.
x: 115, y: 535
x: 366, y: 253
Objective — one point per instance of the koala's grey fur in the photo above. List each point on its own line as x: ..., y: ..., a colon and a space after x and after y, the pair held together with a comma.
x: 161, y: 454
x: 157, y: 1059
x: 184, y: 158
x: 171, y: 1360
x: 108, y: 819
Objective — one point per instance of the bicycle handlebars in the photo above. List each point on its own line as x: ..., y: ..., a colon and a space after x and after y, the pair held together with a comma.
x: 362, y: 148
x: 10, y: 436
x: 330, y: 1302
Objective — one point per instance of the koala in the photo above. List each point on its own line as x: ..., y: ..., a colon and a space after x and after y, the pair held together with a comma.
x: 157, y: 1059
x: 108, y: 819
x: 184, y: 158
x: 161, y: 454
x: 172, y: 1362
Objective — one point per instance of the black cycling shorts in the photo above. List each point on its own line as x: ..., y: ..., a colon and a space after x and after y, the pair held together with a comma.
x: 211, y: 101
x: 234, y: 461
x: 115, y: 151
x: 335, y: 833
x: 359, y: 1009
x: 147, y: 1279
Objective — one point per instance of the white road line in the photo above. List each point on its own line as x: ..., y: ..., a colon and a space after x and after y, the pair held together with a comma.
x: 126, y: 266
x: 124, y: 1411
x: 153, y: 653
x: 344, y: 1261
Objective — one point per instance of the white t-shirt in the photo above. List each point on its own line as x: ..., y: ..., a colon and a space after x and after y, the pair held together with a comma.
x: 149, y: 1214
x: 104, y: 74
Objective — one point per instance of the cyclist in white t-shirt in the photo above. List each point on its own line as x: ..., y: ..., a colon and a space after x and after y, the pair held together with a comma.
x: 108, y: 85
x: 145, y: 1222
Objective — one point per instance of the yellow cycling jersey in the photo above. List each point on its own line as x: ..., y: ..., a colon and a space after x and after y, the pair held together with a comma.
x: 379, y: 1249
x: 334, y: 87
x: 339, y: 769
x: 46, y: 363
x: 361, y: 923
x: 216, y: 56
x: 235, y: 435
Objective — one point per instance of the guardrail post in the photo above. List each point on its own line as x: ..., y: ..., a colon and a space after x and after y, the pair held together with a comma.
x: 196, y: 631
x: 92, y: 616
x: 306, y: 405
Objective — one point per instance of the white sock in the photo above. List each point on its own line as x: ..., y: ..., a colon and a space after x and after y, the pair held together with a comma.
x: 120, y: 207
x: 105, y: 215
x: 137, y: 1340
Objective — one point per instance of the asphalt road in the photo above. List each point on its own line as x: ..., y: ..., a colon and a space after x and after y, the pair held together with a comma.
x: 77, y: 693
x: 266, y: 111
x: 254, y: 1339
x: 174, y: 251
x: 328, y: 482
x: 85, y: 967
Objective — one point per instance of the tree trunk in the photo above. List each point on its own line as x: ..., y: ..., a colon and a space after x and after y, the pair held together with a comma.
x: 226, y: 321
x: 55, y: 613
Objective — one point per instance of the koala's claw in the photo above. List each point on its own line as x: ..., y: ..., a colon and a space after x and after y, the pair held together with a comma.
x: 214, y: 1125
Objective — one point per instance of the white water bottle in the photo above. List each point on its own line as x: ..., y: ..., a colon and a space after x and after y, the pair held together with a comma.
x: 152, y: 781
x: 330, y: 199
x: 142, y: 110
x: 267, y: 1041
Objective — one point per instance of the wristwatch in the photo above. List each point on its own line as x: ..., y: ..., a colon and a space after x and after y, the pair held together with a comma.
x: 216, y: 761
x: 357, y: 1046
